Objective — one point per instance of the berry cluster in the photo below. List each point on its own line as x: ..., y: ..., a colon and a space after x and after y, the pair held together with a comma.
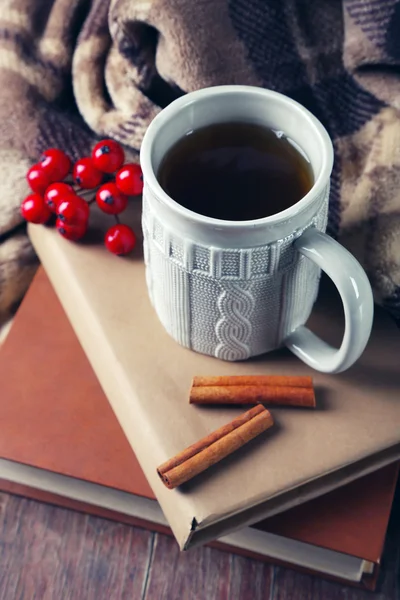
x: 103, y: 174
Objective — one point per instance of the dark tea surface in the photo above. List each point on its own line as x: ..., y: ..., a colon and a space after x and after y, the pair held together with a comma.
x: 235, y: 171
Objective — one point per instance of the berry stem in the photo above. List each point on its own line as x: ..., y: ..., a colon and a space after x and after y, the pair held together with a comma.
x: 80, y: 190
x: 117, y: 219
x: 84, y: 192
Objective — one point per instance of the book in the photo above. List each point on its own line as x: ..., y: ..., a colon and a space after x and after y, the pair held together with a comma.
x: 61, y: 443
x: 146, y: 377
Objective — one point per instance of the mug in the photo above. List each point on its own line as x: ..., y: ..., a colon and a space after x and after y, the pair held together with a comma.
x: 236, y: 289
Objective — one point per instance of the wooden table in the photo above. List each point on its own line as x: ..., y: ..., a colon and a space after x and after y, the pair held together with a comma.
x: 50, y: 553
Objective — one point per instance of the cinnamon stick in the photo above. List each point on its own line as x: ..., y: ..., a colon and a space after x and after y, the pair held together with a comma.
x: 252, y: 394
x: 214, y: 447
x: 275, y: 380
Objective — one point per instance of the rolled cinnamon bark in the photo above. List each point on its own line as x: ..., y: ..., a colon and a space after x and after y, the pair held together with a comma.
x: 214, y: 447
x: 251, y: 394
x: 274, y: 380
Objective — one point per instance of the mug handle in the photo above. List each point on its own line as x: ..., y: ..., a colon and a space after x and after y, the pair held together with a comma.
x: 355, y: 291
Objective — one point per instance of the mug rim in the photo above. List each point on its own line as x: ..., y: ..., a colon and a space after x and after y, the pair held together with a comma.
x: 172, y: 109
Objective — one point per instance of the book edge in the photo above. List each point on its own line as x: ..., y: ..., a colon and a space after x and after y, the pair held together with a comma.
x: 282, y: 502
x: 147, y: 510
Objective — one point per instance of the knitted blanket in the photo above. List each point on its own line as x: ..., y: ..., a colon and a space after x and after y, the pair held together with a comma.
x: 73, y: 71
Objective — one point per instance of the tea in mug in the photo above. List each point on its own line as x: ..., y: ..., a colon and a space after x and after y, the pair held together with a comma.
x: 235, y: 171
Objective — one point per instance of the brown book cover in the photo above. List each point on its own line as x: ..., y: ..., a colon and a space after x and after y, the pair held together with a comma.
x: 146, y: 377
x: 55, y: 418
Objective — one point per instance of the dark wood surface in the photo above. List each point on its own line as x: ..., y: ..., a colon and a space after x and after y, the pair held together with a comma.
x: 50, y: 553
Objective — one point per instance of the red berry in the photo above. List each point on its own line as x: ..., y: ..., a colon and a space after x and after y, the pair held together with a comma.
x: 108, y: 156
x: 55, y: 193
x: 38, y: 180
x: 129, y: 179
x: 120, y: 239
x: 71, y: 232
x: 86, y: 175
x: 55, y: 163
x: 34, y: 209
x: 73, y: 210
x: 110, y: 199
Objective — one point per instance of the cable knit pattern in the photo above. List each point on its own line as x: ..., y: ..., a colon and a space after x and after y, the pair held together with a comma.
x: 234, y: 328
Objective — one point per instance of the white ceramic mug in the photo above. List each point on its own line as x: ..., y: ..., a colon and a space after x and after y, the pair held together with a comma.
x: 236, y: 289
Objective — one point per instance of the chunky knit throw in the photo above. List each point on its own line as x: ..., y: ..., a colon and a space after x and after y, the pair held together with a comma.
x: 73, y: 71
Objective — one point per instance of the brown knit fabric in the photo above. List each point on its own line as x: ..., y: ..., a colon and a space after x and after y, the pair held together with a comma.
x: 72, y: 71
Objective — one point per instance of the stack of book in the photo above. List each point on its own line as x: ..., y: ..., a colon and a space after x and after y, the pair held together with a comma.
x: 86, y: 423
